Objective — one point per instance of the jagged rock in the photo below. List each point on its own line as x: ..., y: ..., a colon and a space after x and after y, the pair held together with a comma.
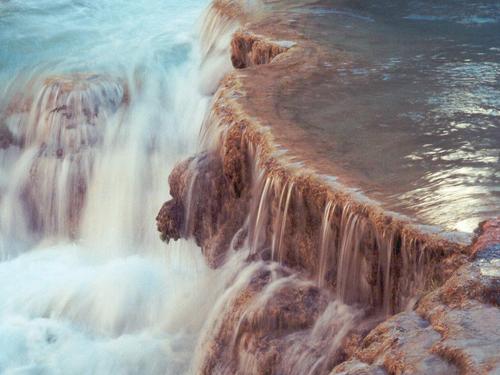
x: 263, y: 313
x: 244, y: 190
x: 70, y: 111
x: 454, y: 329
x: 248, y: 49
x: 401, y: 345
x: 170, y: 220
x: 200, y: 186
x: 239, y: 188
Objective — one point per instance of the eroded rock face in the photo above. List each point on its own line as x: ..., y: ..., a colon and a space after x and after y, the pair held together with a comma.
x: 248, y: 49
x: 54, y: 110
x: 239, y: 192
x: 400, y: 345
x: 207, y: 205
x: 311, y: 249
x: 272, y: 322
x: 453, y: 330
x: 216, y: 203
x: 69, y: 111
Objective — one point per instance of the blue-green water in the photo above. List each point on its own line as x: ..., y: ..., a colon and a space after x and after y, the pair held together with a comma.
x: 98, y: 100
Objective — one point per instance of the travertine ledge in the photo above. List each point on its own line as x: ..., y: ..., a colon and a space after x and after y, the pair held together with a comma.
x: 249, y: 189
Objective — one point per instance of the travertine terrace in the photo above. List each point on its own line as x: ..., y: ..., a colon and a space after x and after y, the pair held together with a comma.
x: 332, y: 282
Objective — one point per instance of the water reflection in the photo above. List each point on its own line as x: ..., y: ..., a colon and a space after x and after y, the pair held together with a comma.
x: 412, y: 104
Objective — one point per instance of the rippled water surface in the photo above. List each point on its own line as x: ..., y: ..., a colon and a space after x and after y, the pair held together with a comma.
x: 412, y: 104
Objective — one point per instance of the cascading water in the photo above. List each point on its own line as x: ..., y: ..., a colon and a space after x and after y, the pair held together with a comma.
x: 99, y: 100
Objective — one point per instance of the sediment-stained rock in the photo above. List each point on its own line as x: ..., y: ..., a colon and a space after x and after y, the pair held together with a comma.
x: 207, y: 205
x: 220, y: 21
x: 68, y: 112
x: 402, y: 345
x: 243, y: 192
x: 453, y: 329
x: 248, y: 49
x: 272, y: 322
x: 297, y: 218
x: 54, y: 110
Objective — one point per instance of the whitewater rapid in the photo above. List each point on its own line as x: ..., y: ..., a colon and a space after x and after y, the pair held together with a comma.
x: 86, y: 285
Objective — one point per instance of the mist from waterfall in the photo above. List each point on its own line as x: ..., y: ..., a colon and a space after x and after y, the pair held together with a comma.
x: 98, y: 101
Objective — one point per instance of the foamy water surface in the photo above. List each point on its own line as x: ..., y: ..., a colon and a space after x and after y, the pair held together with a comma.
x: 98, y: 101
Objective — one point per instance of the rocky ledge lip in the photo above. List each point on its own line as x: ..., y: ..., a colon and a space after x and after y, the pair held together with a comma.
x: 244, y: 190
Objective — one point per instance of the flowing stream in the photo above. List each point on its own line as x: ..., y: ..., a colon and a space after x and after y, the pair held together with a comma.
x: 98, y: 100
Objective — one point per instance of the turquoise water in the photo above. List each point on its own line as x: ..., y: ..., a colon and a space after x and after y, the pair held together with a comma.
x: 98, y: 101
x: 95, y: 35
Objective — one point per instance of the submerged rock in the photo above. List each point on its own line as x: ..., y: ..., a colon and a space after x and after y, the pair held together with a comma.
x: 272, y: 322
x: 68, y: 112
x: 6, y: 137
x: 61, y: 119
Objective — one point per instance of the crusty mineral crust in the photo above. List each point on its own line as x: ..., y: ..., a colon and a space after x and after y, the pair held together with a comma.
x: 220, y: 188
x: 258, y: 323
x: 453, y: 330
x: 248, y: 49
x: 244, y: 190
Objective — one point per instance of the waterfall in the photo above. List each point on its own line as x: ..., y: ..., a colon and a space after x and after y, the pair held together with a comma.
x: 316, y: 265
x: 276, y: 270
x: 92, y: 121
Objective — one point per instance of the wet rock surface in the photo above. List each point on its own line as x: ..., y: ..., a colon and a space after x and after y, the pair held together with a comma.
x: 258, y: 321
x: 238, y: 191
x: 453, y: 329
x: 249, y: 49
x: 333, y: 284
x: 212, y: 219
x: 60, y: 119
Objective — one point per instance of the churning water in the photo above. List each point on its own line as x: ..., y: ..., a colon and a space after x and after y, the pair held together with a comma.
x: 98, y: 100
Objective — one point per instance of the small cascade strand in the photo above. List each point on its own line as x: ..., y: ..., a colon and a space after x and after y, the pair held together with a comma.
x: 279, y: 225
x: 385, y: 245
x: 277, y: 222
x: 350, y: 264
x: 362, y: 265
x: 189, y: 209
x: 326, y: 240
x: 65, y: 122
x: 260, y: 223
x: 216, y: 31
x: 285, y: 213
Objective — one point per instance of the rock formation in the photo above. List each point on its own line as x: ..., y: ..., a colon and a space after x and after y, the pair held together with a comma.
x: 331, y: 283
